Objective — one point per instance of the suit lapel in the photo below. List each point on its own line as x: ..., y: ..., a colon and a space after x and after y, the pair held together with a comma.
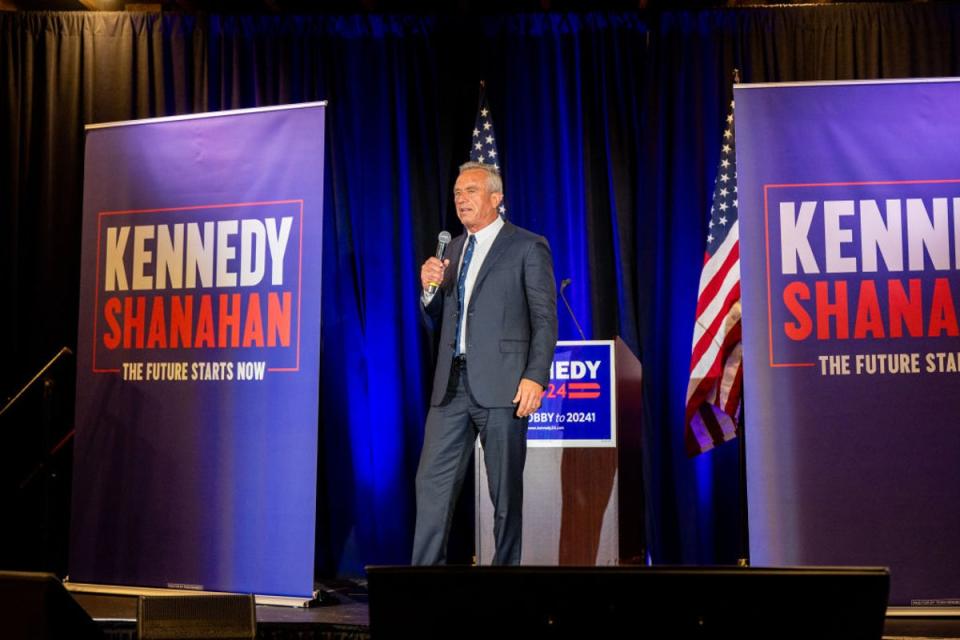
x: 499, y: 245
x: 450, y: 275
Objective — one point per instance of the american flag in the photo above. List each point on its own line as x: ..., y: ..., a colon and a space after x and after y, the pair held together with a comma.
x: 716, y: 376
x: 484, y: 143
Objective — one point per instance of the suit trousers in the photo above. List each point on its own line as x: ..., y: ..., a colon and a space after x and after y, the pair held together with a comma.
x: 451, y: 431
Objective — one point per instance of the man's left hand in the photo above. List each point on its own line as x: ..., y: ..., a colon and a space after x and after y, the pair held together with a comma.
x: 528, y: 397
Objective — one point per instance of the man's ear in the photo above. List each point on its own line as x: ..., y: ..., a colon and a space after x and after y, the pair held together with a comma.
x: 497, y: 199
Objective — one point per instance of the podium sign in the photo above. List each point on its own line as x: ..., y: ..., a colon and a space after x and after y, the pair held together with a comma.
x: 579, y: 403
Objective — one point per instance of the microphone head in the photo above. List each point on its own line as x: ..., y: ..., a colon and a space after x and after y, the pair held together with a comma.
x: 565, y: 283
x: 444, y: 237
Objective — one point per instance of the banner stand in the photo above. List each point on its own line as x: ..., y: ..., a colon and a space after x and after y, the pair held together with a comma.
x: 198, y: 354
x: 923, y: 612
x: 849, y: 203
x: 114, y: 590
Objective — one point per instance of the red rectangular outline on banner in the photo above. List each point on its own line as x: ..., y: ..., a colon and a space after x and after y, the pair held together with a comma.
x: 226, y: 205
x: 766, y: 234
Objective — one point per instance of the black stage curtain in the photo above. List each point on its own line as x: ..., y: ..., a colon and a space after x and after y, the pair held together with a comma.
x: 609, y: 127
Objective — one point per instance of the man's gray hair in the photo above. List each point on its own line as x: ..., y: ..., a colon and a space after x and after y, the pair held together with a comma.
x: 494, y: 182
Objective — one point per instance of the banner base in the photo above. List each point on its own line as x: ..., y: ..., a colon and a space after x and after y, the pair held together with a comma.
x: 923, y: 612
x: 123, y: 590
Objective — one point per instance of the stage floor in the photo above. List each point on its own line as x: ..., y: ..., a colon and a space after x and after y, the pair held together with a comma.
x: 345, y: 616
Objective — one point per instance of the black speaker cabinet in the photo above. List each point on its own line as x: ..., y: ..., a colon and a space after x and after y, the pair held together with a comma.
x: 224, y: 617
x: 627, y: 602
x: 36, y: 606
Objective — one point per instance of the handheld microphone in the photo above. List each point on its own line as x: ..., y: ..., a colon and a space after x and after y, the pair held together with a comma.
x: 564, y: 285
x: 443, y: 239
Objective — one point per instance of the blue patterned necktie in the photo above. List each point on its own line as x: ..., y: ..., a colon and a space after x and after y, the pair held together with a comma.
x: 462, y: 286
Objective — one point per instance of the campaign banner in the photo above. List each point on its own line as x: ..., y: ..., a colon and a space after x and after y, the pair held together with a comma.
x: 198, y: 352
x: 578, y: 406
x: 849, y: 199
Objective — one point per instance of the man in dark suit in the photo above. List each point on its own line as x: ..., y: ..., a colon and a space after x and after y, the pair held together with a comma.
x: 496, y: 305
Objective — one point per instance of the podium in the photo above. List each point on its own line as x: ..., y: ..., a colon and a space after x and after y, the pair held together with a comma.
x: 583, y: 480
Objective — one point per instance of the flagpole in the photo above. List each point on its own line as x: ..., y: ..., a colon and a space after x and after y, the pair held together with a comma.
x: 743, y: 560
x: 484, y: 143
x: 481, y: 94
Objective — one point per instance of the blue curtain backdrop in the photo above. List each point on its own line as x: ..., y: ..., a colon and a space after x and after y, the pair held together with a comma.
x: 609, y: 128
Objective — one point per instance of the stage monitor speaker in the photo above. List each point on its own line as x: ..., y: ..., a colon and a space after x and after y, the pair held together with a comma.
x: 222, y: 617
x: 629, y: 602
x: 36, y: 606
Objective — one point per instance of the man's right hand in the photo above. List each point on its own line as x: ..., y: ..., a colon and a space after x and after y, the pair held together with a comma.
x: 431, y: 273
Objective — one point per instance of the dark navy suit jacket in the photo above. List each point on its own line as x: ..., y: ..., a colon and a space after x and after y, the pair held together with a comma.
x: 511, y: 320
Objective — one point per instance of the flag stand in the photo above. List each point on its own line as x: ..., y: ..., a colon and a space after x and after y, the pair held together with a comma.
x: 743, y: 560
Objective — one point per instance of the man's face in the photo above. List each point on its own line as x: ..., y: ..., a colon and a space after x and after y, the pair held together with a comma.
x: 476, y: 204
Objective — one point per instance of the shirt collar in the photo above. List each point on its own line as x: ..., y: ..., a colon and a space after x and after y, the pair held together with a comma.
x: 489, y: 232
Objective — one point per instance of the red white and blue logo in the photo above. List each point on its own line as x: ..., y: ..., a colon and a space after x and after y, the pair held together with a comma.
x: 577, y: 409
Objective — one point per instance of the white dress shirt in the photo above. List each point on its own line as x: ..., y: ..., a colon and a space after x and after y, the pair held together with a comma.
x: 485, y: 238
